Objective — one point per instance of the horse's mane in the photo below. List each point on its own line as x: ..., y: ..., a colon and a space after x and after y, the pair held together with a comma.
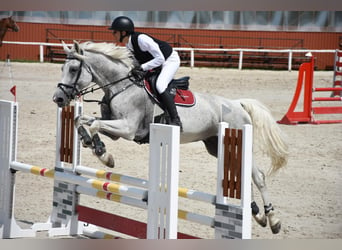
x: 111, y: 50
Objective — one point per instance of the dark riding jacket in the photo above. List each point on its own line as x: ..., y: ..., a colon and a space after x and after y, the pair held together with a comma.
x: 144, y: 56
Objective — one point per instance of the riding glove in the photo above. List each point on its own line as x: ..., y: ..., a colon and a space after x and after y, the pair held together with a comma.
x: 138, y: 73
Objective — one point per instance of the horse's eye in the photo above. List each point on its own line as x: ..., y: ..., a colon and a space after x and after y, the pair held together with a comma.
x: 73, y: 70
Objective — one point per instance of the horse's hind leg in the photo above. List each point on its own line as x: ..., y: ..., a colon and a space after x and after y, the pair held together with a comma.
x: 259, y: 180
x: 260, y: 218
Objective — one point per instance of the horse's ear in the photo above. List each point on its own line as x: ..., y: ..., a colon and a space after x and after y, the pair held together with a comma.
x: 78, y: 52
x: 78, y: 48
x: 66, y: 49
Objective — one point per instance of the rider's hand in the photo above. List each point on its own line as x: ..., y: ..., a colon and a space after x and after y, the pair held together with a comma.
x: 138, y: 73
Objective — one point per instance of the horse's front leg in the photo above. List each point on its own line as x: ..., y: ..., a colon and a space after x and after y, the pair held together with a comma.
x: 259, y: 180
x: 85, y: 138
x: 93, y: 140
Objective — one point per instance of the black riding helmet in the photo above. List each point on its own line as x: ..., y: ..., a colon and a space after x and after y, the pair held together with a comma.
x: 122, y: 23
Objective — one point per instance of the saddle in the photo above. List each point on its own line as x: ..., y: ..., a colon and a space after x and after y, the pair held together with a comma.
x: 179, y: 88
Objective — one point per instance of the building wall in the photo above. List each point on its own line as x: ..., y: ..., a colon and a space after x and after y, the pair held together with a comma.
x: 38, y: 32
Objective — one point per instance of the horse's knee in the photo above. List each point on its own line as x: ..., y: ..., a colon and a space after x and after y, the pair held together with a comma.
x: 94, y: 128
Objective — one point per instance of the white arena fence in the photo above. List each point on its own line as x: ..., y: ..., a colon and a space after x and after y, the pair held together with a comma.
x: 192, y: 51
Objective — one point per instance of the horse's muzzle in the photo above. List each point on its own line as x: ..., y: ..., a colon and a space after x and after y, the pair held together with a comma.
x: 60, y: 99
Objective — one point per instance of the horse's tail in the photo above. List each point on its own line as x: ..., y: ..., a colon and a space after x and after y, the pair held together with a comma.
x: 267, y: 132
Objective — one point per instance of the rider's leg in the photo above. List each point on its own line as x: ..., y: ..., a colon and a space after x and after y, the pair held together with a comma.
x: 169, y: 103
x: 166, y: 75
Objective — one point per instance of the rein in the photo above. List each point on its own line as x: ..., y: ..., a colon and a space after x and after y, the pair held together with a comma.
x: 92, y: 89
x: 75, y: 92
x: 86, y: 91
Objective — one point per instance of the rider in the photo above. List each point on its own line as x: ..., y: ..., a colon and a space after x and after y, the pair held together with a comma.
x: 150, y: 53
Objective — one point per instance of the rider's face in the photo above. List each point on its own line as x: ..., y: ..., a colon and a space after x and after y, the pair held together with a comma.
x: 116, y: 35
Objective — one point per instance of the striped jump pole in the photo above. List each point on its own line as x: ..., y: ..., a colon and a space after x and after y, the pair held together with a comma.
x: 129, y: 180
x: 63, y: 176
x: 309, y: 111
x: 84, y: 187
x: 110, y: 191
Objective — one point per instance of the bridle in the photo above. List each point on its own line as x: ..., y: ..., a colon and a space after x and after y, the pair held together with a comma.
x: 76, y: 92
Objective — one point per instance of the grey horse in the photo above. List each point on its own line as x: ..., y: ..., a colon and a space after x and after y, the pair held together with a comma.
x: 128, y: 111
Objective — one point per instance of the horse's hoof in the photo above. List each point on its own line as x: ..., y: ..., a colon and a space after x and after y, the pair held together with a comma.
x: 276, y: 228
x: 275, y: 223
x: 261, y: 219
x: 107, y: 159
x: 110, y: 162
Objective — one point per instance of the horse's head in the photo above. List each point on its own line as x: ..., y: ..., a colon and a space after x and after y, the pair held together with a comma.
x: 101, y: 63
x: 5, y: 24
x: 76, y: 75
x: 11, y: 24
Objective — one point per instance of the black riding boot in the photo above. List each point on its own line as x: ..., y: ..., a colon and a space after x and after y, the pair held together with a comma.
x: 169, y: 103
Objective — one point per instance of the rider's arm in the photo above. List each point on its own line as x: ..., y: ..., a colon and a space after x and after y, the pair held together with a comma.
x: 146, y: 43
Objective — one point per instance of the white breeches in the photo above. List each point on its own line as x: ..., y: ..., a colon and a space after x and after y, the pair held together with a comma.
x: 169, y: 69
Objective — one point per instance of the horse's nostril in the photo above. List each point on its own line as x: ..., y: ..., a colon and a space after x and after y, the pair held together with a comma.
x: 58, y: 100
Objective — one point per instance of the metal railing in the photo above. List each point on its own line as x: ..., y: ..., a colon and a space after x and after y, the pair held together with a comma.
x: 192, y: 51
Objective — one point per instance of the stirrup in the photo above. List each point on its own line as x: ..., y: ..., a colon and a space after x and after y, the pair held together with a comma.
x: 177, y: 122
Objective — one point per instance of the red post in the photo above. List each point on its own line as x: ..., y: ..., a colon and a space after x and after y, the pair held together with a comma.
x: 305, y: 80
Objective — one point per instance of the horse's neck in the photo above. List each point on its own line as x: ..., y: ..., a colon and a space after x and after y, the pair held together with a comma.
x: 2, y: 31
x: 109, y: 74
x: 105, y: 76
